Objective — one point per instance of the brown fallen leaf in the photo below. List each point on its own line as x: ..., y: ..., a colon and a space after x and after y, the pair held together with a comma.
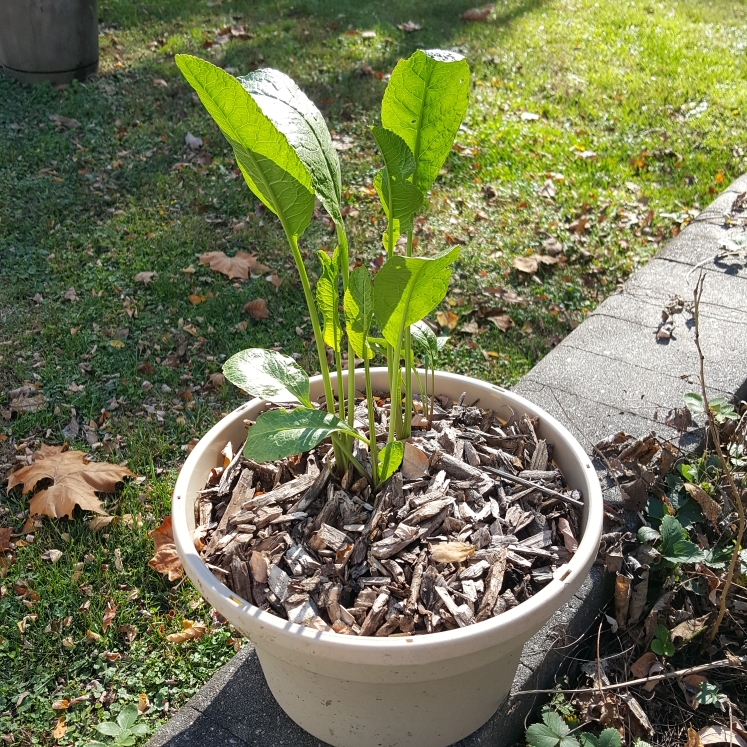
x: 470, y: 328
x: 447, y: 319
x: 275, y: 280
x: 452, y: 552
x: 28, y: 404
x: 192, y: 141
x: 109, y: 615
x: 693, y: 738
x: 70, y: 295
x: 5, y: 533
x: 529, y: 265
x: 194, y: 299
x: 64, y: 121
x: 231, y: 267
x: 686, y: 631
x: 409, y: 27
x: 190, y: 630
x: 59, y: 731
x: 641, y: 666
x: 568, y: 539
x: 215, y: 381
x: 711, y: 509
x: 414, y: 462
x: 166, y: 560
x: 75, y: 482
x: 718, y: 734
x: 503, y: 321
x: 142, y: 703
x: 478, y: 14
x: 257, y: 308
x: 61, y: 705
x: 145, y: 277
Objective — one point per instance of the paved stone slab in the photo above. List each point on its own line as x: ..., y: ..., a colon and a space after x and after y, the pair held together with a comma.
x: 610, y: 374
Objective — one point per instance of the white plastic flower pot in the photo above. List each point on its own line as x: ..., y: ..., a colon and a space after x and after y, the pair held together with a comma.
x: 420, y: 691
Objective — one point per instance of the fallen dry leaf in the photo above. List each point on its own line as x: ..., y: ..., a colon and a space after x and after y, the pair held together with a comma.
x: 61, y: 705
x: 452, y: 552
x: 51, y: 555
x: 568, y: 539
x: 190, y: 630
x: 70, y: 295
x: 447, y: 319
x: 275, y: 280
x: 233, y: 267
x: 257, y: 308
x: 718, y: 734
x: 532, y: 117
x: 194, y: 299
x: 215, y: 381
x: 64, y: 121
x: 529, y: 265
x: 166, y: 560
x: 145, y: 277
x: 109, y: 615
x: 641, y: 666
x: 28, y: 404
x: 409, y: 26
x: 711, y: 509
x: 142, y: 703
x: 693, y: 738
x: 75, y: 481
x: 193, y: 142
x: 478, y: 14
x: 414, y: 462
x: 503, y: 321
x: 470, y: 328
x: 5, y: 533
x: 59, y: 731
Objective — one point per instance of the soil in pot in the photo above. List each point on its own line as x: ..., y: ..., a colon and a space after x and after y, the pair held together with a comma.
x: 476, y: 521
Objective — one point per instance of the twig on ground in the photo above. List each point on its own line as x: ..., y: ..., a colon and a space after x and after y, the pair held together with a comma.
x: 737, y: 661
x: 529, y: 484
x: 735, y: 496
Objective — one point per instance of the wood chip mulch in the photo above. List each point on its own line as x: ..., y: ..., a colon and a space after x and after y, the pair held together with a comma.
x: 477, y: 520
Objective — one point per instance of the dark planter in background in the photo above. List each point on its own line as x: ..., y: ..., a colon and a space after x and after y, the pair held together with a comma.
x: 54, y: 40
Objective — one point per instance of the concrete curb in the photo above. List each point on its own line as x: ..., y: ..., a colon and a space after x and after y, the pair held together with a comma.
x: 609, y: 374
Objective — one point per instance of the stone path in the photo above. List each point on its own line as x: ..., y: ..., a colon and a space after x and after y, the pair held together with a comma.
x: 609, y: 374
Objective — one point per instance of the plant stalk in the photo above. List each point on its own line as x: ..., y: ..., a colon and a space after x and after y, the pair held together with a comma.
x: 407, y: 425
x: 371, y: 425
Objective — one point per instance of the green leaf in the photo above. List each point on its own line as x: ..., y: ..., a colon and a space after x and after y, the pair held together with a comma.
x: 647, y: 534
x: 358, y: 304
x: 127, y: 717
x: 662, y: 643
x: 125, y: 740
x: 293, y: 113
x: 399, y: 198
x: 270, y: 166
x: 109, y: 728
x: 390, y: 457
x: 139, y: 729
x: 398, y: 157
x: 425, y: 338
x: 424, y: 103
x: 707, y: 694
x: 328, y: 298
x: 588, y: 740
x: 553, y: 733
x: 408, y: 288
x: 675, y: 545
x: 268, y: 374
x: 694, y: 402
x: 96, y: 744
x: 281, y: 433
x: 609, y: 738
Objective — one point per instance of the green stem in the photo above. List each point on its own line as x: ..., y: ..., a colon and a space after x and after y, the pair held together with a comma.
x: 407, y: 426
x: 345, y: 265
x: 349, y: 455
x: 322, y: 353
x: 371, y: 424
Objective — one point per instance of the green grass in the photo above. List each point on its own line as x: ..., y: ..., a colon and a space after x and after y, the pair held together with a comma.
x: 654, y: 91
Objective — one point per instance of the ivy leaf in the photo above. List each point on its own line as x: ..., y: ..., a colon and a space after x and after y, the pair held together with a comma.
x: 358, y: 304
x: 408, y: 288
x: 296, y: 117
x: 281, y: 433
x: 675, y: 544
x: 270, y: 166
x: 268, y: 374
x: 424, y: 103
x: 328, y: 298
x: 553, y: 733
x: 390, y: 457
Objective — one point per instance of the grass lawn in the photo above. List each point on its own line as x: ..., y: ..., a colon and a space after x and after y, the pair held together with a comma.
x: 594, y: 130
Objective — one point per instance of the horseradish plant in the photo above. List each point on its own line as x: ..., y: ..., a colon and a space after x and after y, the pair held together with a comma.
x: 284, y: 150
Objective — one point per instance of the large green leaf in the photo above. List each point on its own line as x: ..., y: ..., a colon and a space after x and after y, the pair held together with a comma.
x: 399, y: 198
x: 281, y: 433
x: 328, y: 298
x: 398, y: 157
x: 553, y: 733
x: 271, y: 167
x: 359, y: 311
x: 390, y: 457
x: 293, y: 113
x: 268, y: 374
x: 424, y: 103
x: 127, y: 717
x: 408, y: 288
x: 676, y: 546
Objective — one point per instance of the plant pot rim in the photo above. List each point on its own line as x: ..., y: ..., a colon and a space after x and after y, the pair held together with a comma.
x: 503, y: 627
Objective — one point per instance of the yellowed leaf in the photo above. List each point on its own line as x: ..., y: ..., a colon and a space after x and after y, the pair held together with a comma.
x: 119, y: 344
x: 92, y: 636
x: 452, y: 552
x: 166, y: 559
x: 194, y: 299
x: 75, y: 482
x: 59, y: 731
x: 61, y: 705
x: 142, y: 703
x: 693, y: 738
x: 190, y: 630
x: 447, y: 319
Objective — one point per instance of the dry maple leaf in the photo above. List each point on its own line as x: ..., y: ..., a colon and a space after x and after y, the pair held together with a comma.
x: 258, y: 309
x: 75, y: 481
x: 190, y: 630
x: 145, y: 277
x: 447, y: 319
x: 231, y: 267
x: 166, y: 560
x: 70, y: 295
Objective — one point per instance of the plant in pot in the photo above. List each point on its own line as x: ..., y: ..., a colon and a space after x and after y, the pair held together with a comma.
x: 388, y: 561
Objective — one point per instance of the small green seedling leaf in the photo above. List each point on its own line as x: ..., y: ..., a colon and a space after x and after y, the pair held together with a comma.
x: 708, y: 694
x: 675, y: 546
x: 553, y: 733
x: 328, y: 299
x: 694, y: 402
x: 270, y: 166
x: 408, y: 288
x: 358, y: 305
x: 281, y: 433
x: 647, y: 534
x: 390, y: 457
x: 269, y: 375
x: 425, y: 339
x: 296, y: 117
x: 662, y: 643
x: 722, y: 410
x: 424, y: 104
